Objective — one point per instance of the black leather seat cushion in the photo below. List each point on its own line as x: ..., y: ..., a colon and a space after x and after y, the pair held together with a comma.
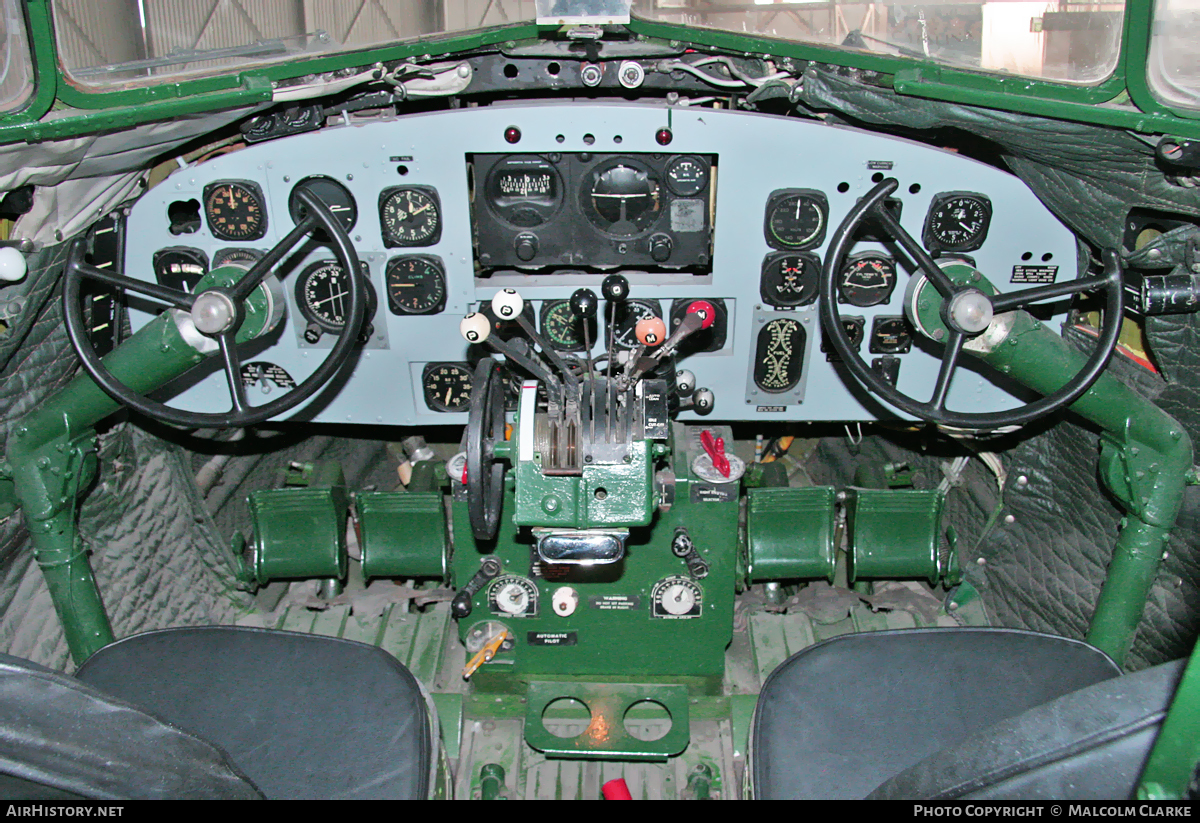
x: 303, y: 716
x: 61, y: 739
x: 839, y: 718
x: 1088, y: 745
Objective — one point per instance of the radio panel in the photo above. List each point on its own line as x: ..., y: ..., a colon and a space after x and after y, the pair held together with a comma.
x: 596, y: 211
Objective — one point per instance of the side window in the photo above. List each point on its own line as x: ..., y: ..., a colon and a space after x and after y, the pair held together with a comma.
x: 16, y: 65
x: 1173, y: 67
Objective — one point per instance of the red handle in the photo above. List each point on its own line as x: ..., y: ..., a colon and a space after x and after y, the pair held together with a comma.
x: 716, y: 450
x: 616, y: 790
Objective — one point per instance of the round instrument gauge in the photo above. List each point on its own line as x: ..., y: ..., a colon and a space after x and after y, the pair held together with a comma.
x: 676, y: 597
x: 180, y: 267
x: 796, y: 220
x: 330, y: 192
x: 224, y: 256
x: 235, y: 211
x: 622, y: 198
x: 867, y: 280
x: 957, y: 221
x: 562, y: 328
x: 447, y: 386
x: 323, y: 295
x: 626, y: 318
x: 410, y: 216
x: 524, y: 191
x: 790, y: 279
x: 687, y: 176
x: 415, y: 285
x: 513, y: 596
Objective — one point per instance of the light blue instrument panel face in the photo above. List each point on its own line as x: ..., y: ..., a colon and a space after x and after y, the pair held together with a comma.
x: 754, y: 156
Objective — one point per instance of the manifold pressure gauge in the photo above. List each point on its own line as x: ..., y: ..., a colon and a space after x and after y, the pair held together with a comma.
x: 676, y: 598
x: 513, y: 596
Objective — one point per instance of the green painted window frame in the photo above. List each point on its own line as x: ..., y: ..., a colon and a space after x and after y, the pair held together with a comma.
x: 96, y: 110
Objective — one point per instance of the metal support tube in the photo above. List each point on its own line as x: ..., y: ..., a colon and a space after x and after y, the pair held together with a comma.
x: 1145, y: 458
x: 50, y: 457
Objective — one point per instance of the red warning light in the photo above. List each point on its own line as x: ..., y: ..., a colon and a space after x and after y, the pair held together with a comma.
x: 512, y: 134
x: 663, y: 136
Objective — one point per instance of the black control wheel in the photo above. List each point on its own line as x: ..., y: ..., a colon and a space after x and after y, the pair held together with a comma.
x: 216, y: 316
x: 967, y: 313
x: 485, y: 427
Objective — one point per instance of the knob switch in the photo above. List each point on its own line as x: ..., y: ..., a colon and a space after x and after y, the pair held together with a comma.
x: 526, y: 246
x: 660, y: 248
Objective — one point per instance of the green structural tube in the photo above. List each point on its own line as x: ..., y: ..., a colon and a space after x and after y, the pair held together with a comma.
x: 51, y: 459
x: 1145, y: 458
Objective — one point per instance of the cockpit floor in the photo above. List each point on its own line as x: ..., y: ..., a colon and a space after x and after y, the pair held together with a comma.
x: 478, y: 729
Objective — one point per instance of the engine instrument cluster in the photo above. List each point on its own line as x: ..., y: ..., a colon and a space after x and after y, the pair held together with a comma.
x: 444, y: 211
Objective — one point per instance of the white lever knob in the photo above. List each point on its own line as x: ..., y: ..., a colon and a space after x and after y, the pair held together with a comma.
x: 507, y: 304
x: 475, y: 328
x: 685, y: 382
x: 12, y: 265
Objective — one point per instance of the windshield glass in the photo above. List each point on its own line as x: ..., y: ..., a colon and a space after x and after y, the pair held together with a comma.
x: 138, y: 42
x: 105, y: 42
x: 1174, y: 64
x: 1069, y: 42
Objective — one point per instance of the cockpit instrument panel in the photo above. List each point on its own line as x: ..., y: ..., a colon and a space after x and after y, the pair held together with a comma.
x: 443, y: 211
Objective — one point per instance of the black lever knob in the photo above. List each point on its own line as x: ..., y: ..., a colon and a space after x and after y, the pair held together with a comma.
x: 615, y: 288
x: 584, y: 303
